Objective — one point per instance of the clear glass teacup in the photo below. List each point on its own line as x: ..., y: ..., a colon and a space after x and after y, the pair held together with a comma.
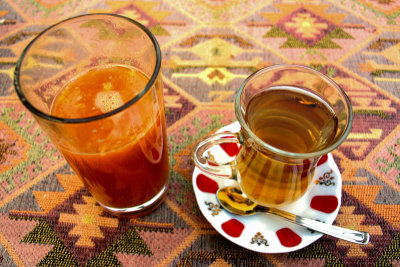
x: 290, y: 116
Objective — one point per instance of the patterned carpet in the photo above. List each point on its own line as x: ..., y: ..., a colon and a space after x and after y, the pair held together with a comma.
x: 209, y: 47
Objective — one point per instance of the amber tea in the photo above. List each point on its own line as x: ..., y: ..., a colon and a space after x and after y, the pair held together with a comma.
x: 290, y: 119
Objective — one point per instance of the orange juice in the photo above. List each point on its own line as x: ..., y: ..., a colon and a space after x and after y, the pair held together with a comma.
x: 122, y: 159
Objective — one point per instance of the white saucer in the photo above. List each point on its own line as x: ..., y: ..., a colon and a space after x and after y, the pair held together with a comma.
x: 264, y: 232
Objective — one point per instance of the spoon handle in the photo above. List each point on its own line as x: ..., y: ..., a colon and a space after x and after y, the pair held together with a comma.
x: 332, y: 230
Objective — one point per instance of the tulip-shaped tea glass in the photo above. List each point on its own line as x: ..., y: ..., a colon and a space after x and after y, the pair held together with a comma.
x: 290, y: 116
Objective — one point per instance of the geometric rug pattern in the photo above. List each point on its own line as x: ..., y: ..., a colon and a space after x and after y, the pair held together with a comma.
x: 47, y: 216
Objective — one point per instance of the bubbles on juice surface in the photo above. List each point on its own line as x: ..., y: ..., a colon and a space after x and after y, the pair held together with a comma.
x: 108, y: 101
x: 98, y: 91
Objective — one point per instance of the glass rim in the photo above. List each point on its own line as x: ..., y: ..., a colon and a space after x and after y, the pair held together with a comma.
x: 260, y: 142
x: 129, y: 103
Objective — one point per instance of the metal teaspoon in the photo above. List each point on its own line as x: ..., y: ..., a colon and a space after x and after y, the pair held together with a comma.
x: 234, y: 201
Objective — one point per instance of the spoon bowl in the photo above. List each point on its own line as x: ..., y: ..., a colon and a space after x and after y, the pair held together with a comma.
x: 234, y: 201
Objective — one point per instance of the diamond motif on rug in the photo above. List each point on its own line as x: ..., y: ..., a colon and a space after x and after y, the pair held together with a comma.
x: 87, y: 222
x: 312, y: 32
x: 306, y: 26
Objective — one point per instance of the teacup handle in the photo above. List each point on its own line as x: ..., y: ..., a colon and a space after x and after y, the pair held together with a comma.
x: 218, y: 169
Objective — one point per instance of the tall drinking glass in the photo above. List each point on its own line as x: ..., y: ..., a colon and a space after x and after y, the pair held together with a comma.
x: 93, y: 84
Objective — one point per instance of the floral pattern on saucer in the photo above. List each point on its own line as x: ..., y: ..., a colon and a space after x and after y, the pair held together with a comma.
x: 264, y: 232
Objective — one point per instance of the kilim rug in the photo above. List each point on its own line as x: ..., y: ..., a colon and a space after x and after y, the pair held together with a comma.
x: 48, y: 218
